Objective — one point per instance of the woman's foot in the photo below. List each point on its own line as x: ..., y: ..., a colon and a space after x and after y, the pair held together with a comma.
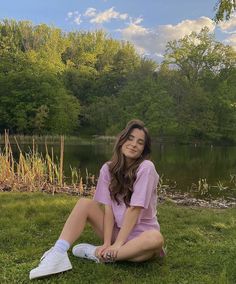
x: 51, y: 262
x: 85, y: 251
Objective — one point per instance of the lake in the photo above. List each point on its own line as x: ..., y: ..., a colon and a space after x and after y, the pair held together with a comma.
x: 183, y: 164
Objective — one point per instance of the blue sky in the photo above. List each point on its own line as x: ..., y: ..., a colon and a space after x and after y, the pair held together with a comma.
x: 148, y: 24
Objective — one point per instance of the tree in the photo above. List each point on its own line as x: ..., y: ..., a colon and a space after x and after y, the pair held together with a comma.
x: 195, y: 114
x: 224, y: 9
x: 33, y: 102
x: 40, y: 44
x: 198, y: 70
x: 147, y: 100
x: 102, y: 115
x: 224, y: 104
x: 81, y: 82
x: 52, y: 82
x: 199, y: 54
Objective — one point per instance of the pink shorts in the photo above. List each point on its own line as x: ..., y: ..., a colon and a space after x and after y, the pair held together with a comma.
x: 138, y: 229
x: 135, y: 233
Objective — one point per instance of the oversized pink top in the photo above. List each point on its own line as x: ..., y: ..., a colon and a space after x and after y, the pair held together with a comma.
x: 144, y: 195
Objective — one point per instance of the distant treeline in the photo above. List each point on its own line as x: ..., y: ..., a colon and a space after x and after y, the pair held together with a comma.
x: 53, y: 82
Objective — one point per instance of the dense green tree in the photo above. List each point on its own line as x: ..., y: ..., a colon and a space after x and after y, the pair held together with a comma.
x: 102, y: 115
x: 199, y: 54
x: 224, y: 104
x: 40, y: 44
x: 87, y: 82
x: 148, y: 101
x: 200, y: 63
x: 31, y: 102
x: 81, y: 82
x: 141, y: 99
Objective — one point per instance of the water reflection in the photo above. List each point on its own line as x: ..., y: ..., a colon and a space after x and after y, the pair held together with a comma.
x: 183, y: 164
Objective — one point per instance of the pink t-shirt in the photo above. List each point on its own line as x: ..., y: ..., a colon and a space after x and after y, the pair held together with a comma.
x: 144, y: 195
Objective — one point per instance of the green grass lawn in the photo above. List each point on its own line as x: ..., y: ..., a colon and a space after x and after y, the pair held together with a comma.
x: 201, y: 244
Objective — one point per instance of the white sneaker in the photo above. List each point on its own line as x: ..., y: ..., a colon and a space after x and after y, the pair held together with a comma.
x: 85, y: 251
x: 51, y: 262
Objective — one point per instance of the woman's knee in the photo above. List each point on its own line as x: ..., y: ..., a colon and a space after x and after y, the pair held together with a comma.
x: 89, y: 207
x: 154, y: 239
x: 84, y: 203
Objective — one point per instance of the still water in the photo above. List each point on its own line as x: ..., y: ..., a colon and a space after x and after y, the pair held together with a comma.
x: 183, y: 164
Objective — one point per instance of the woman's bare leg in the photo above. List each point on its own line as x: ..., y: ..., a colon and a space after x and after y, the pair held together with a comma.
x: 84, y: 210
x: 141, y: 248
x: 147, y: 245
x: 55, y: 261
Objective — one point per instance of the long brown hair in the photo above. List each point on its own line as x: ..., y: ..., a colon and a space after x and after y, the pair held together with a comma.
x: 123, y: 176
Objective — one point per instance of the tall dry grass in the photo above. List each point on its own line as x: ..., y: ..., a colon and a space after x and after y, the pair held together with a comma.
x: 35, y: 172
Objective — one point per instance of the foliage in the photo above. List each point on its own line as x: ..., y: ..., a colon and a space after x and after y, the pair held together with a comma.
x: 86, y: 82
x: 29, y: 104
x: 201, y: 67
x: 224, y: 9
x: 199, y: 55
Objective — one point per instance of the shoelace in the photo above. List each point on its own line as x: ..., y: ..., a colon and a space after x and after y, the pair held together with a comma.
x: 45, y: 254
x: 90, y: 256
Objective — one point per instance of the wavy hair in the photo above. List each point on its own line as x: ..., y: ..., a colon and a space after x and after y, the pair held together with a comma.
x: 123, y: 176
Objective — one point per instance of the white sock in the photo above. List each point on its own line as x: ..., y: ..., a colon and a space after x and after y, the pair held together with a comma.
x: 61, y: 246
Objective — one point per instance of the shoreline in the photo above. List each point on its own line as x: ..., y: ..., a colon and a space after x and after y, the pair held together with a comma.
x: 91, y: 139
x: 189, y: 201
x: 87, y: 191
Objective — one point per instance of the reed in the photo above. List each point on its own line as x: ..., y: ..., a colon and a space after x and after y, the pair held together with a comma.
x: 61, y: 161
x: 233, y: 179
x: 35, y: 172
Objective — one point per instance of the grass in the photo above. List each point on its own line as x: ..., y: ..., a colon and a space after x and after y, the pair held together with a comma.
x: 201, y: 244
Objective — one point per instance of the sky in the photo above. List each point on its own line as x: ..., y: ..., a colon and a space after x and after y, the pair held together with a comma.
x: 148, y: 24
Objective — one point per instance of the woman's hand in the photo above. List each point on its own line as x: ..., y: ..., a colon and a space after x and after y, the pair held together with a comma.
x: 100, y: 250
x: 110, y: 253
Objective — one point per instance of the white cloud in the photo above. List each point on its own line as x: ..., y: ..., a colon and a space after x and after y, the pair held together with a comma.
x: 123, y: 16
x: 98, y: 17
x: 69, y: 14
x: 78, y: 20
x: 108, y: 15
x: 137, y: 20
x: 231, y: 40
x: 159, y: 55
x: 73, y: 15
x: 154, y: 41
x: 229, y: 25
x: 90, y: 12
x: 133, y: 31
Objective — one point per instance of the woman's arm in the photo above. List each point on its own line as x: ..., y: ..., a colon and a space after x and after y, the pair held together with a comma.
x: 130, y: 219
x: 108, y: 225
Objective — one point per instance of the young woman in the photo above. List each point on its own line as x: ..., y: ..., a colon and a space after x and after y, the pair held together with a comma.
x: 127, y: 224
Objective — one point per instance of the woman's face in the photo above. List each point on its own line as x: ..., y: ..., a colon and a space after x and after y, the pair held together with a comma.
x: 133, y: 147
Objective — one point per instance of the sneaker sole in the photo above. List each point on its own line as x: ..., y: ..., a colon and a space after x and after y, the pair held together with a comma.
x: 47, y: 273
